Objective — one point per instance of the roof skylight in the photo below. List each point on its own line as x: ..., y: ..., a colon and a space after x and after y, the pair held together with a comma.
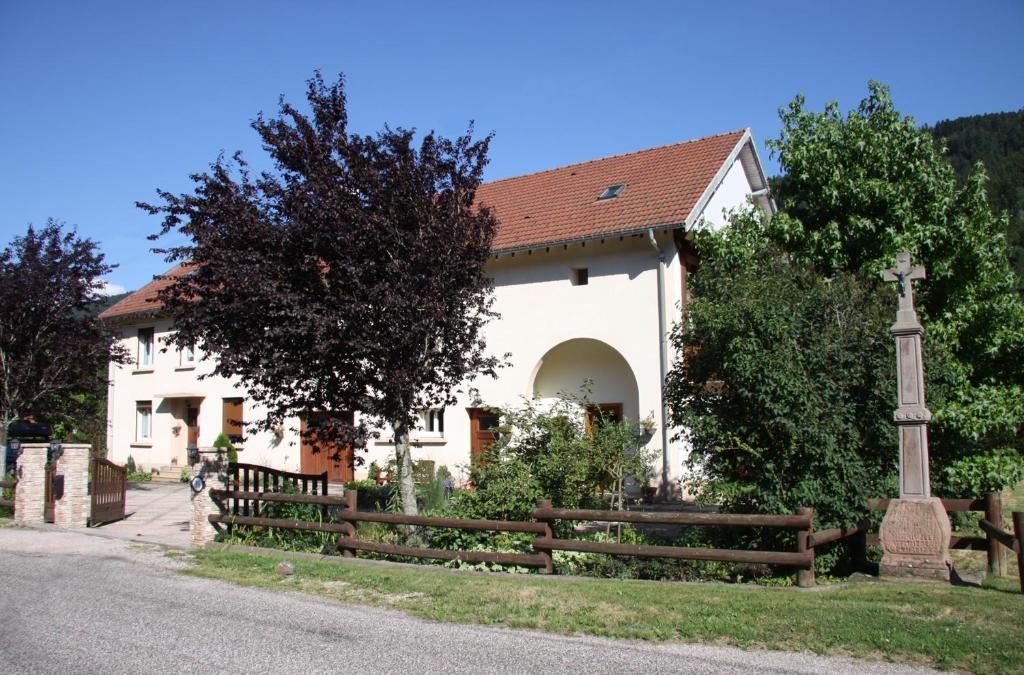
x: 612, y: 191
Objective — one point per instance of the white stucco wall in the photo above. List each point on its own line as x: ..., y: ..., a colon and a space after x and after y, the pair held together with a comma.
x: 541, y: 309
x: 732, y: 192
x: 131, y: 384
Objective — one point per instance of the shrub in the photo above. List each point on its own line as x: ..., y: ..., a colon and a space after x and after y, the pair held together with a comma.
x: 222, y: 441
x: 288, y: 540
x: 129, y: 464
x: 371, y: 496
x: 977, y: 475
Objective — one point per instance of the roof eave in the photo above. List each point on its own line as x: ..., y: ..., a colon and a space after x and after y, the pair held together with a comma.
x: 642, y: 229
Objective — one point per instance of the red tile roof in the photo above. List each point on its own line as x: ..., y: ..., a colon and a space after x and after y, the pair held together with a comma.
x: 663, y: 185
x: 143, y: 301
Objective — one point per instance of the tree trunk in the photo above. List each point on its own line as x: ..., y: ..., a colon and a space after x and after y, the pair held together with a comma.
x: 3, y: 450
x: 407, y: 485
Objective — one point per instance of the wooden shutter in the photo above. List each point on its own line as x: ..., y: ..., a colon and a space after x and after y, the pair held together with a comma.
x: 233, y: 419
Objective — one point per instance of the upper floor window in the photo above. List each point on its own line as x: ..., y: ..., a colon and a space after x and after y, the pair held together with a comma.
x: 146, y: 348
x: 188, y: 355
x: 432, y: 423
x: 580, y: 276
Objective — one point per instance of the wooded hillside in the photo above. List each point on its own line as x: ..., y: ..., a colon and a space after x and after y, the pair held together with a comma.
x: 997, y: 139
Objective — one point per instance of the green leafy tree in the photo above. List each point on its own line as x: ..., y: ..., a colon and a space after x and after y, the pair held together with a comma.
x: 857, y: 190
x: 785, y: 392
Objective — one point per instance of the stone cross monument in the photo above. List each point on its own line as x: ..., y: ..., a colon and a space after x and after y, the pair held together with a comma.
x: 915, y: 531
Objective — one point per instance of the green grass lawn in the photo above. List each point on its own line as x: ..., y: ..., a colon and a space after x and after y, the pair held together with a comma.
x: 973, y: 629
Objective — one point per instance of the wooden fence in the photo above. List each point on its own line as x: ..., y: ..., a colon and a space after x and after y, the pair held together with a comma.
x: 241, y: 507
x: 253, y: 487
x: 7, y: 485
x: 257, y: 479
x: 1014, y: 542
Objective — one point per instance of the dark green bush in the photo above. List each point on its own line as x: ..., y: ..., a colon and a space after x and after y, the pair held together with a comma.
x: 222, y: 441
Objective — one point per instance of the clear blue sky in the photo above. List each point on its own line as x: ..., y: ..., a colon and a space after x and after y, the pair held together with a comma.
x: 104, y: 102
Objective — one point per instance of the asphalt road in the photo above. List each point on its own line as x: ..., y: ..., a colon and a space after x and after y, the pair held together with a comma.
x: 76, y: 603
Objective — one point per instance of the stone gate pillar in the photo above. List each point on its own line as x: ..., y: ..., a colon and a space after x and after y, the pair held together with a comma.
x: 72, y: 509
x: 30, y: 494
x: 211, y: 471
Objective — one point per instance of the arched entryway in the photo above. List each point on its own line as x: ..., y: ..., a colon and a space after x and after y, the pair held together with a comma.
x: 565, y: 368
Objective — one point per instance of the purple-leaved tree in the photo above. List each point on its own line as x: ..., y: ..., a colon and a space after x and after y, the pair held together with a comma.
x: 348, y: 278
x: 54, y: 352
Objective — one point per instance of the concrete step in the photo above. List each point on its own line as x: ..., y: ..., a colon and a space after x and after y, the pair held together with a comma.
x: 167, y: 474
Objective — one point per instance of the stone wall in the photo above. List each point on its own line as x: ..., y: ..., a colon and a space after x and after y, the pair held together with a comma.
x: 202, y: 531
x: 30, y: 494
x: 72, y: 509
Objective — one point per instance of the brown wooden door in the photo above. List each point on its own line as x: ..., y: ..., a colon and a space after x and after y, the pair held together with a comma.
x: 317, y: 457
x: 192, y: 424
x: 483, y: 430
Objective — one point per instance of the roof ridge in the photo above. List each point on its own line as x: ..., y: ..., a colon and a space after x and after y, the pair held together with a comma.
x: 622, y: 154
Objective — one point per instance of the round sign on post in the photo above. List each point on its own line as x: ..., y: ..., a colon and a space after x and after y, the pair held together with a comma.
x: 198, y: 484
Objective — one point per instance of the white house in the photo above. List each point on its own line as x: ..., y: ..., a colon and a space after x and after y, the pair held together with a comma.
x: 590, y: 266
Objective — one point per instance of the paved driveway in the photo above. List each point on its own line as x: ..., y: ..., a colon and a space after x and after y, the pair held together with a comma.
x: 157, y: 513
x: 81, y: 604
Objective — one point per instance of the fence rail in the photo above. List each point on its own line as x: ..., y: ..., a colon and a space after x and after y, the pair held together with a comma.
x: 241, y: 506
x: 258, y: 479
x: 1014, y: 542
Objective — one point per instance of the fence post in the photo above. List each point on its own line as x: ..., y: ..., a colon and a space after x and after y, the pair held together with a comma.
x: 549, y: 535
x: 805, y: 577
x: 994, y: 515
x: 351, y: 504
x: 1018, y: 531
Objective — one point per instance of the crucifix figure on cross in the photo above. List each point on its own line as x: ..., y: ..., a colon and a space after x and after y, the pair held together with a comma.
x: 904, y: 274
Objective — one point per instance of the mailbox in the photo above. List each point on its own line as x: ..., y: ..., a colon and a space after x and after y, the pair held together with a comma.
x: 58, y: 487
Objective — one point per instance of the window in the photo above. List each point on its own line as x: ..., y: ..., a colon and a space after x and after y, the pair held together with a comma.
x: 145, y: 348
x: 188, y: 355
x: 580, y: 276
x: 599, y: 414
x: 612, y: 191
x: 432, y: 423
x: 233, y: 420
x: 143, y: 421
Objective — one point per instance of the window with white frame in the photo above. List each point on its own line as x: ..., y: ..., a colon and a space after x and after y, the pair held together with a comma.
x: 146, y: 348
x: 188, y: 355
x: 143, y: 421
x: 432, y: 423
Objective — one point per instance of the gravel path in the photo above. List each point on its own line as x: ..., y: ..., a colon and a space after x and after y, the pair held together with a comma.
x: 76, y: 603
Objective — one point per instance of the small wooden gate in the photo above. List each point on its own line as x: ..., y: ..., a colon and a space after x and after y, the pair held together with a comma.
x: 109, y: 486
